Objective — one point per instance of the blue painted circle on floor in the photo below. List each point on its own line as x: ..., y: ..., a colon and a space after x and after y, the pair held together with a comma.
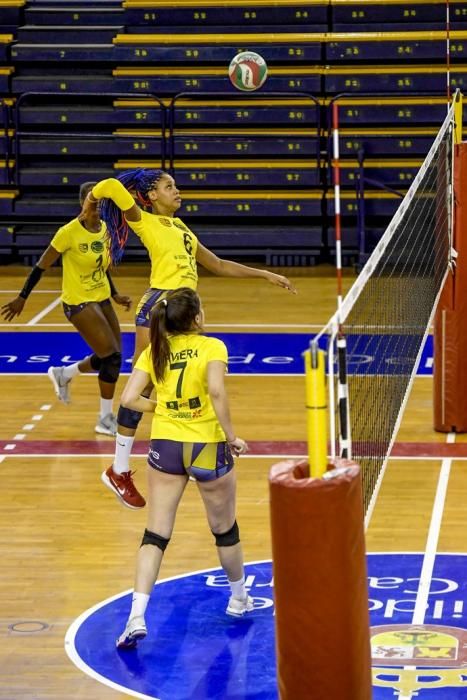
x: 194, y: 651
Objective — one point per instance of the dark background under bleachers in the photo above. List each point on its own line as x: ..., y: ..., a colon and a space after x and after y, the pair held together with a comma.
x: 90, y: 89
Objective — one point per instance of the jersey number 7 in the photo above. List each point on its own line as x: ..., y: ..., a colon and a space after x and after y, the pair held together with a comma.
x: 182, y: 367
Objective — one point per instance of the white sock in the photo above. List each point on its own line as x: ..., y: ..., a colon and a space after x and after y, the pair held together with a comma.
x: 106, y: 406
x: 123, y: 445
x: 139, y: 603
x: 70, y: 371
x: 238, y: 589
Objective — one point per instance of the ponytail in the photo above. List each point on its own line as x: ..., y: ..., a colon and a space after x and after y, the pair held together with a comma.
x: 173, y: 315
x: 138, y: 181
x: 160, y: 349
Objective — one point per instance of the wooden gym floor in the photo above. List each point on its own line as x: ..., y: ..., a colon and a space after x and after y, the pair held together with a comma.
x: 67, y: 543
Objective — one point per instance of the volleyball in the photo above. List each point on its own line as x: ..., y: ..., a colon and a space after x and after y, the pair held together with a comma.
x: 248, y: 71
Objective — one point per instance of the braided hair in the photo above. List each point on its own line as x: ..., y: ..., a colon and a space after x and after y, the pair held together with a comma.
x: 139, y: 182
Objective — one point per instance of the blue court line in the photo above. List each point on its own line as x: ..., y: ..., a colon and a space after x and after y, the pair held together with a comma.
x: 249, y: 353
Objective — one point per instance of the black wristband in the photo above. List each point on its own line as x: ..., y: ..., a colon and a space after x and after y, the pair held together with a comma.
x: 113, y: 291
x: 33, y: 278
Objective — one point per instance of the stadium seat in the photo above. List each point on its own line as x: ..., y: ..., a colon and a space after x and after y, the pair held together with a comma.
x: 146, y: 83
x: 353, y: 16
x: 245, y: 142
x: 5, y: 41
x: 218, y: 47
x: 66, y: 34
x: 217, y: 203
x: 232, y: 173
x: 10, y: 15
x: 7, y: 198
x: 171, y: 80
x: 379, y: 110
x: 201, y: 15
x: 409, y: 79
x: 391, y: 142
x: 393, y: 46
x: 5, y: 76
x: 76, y: 14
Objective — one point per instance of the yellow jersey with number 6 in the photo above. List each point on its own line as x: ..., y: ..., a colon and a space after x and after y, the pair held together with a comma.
x: 184, y: 411
x: 172, y: 250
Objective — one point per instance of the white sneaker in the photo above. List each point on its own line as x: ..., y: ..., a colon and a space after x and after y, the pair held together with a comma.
x: 61, y: 384
x: 239, y: 607
x: 135, y: 629
x: 107, y: 425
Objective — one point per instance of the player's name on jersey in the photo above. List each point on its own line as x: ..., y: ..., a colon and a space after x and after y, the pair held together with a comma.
x: 186, y: 354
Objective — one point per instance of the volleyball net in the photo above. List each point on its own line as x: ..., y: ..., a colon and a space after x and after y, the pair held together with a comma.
x: 375, y: 340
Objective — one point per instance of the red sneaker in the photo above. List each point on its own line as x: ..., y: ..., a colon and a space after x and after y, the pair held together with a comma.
x: 124, y: 488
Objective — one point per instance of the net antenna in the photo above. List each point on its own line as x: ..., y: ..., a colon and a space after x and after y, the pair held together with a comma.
x: 387, y: 314
x: 344, y: 446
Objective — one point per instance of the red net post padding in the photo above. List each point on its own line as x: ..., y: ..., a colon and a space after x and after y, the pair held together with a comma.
x: 320, y: 584
x: 450, y: 325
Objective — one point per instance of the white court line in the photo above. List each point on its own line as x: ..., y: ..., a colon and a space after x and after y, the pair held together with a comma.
x: 19, y: 436
x: 95, y: 455
x: 128, y: 371
x: 424, y: 458
x: 432, y: 540
x: 36, y: 291
x: 73, y: 629
x: 266, y: 455
x: 44, y: 312
x: 263, y: 325
x: 304, y: 326
x: 28, y: 426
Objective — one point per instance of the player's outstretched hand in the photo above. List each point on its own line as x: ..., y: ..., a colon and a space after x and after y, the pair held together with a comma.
x: 13, y: 308
x: 238, y: 447
x: 280, y: 281
x: 123, y: 301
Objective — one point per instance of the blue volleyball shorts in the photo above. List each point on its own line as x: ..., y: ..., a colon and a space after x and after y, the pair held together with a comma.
x: 145, y: 304
x: 204, y: 461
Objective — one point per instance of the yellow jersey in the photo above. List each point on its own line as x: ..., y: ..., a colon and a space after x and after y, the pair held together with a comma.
x: 184, y: 411
x: 85, y: 259
x: 172, y: 250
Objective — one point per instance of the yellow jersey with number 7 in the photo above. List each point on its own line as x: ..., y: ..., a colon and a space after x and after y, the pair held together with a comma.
x: 184, y: 411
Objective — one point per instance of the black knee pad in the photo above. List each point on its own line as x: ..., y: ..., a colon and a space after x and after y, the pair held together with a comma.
x: 229, y: 538
x: 95, y: 362
x: 128, y: 418
x: 110, y: 367
x: 154, y: 539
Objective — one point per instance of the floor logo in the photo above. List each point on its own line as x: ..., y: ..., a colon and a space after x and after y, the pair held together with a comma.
x: 249, y: 353
x: 433, y: 657
x: 193, y: 650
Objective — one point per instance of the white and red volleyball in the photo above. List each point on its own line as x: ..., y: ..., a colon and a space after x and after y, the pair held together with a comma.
x: 248, y: 71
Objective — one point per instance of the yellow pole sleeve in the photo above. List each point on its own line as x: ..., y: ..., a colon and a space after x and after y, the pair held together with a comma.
x: 316, y: 405
x: 458, y: 117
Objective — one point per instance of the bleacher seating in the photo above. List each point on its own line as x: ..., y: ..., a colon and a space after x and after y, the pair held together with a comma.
x: 89, y: 88
x: 353, y: 16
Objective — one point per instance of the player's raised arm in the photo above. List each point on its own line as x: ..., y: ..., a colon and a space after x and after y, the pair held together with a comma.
x: 229, y: 268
